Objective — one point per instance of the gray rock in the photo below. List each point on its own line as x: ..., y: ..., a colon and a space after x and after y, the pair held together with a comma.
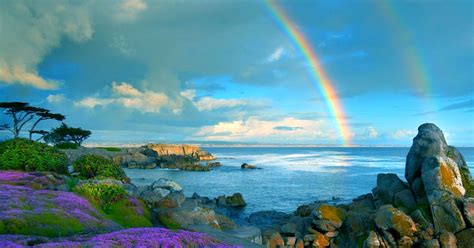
x: 289, y: 228
x: 168, y: 184
x: 465, y: 238
x: 373, y: 241
x: 447, y: 240
x: 468, y: 211
x: 268, y: 219
x: 405, y: 200
x: 432, y: 243
x: 153, y: 196
x: 446, y: 215
x: 248, y: 166
x: 429, y: 141
x: 441, y: 173
x: 420, y: 219
x: 388, y: 185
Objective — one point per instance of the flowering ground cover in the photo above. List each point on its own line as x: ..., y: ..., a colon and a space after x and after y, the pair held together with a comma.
x: 133, y: 237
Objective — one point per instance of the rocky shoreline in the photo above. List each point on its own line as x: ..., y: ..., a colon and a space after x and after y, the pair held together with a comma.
x: 433, y: 208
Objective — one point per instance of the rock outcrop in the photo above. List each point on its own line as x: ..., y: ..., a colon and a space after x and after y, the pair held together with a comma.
x: 433, y: 208
x: 181, y: 150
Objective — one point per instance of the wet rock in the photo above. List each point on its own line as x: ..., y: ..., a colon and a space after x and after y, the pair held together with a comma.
x: 248, y: 166
x: 389, y: 218
x: 303, y: 211
x: 236, y: 200
x: 465, y: 238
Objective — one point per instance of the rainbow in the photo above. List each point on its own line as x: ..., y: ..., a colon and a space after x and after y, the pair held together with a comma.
x: 319, y: 76
x: 416, y: 69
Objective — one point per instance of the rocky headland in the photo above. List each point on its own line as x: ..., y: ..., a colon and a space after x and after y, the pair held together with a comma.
x: 182, y: 157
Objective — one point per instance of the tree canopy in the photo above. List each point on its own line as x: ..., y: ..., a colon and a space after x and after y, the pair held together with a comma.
x: 67, y: 134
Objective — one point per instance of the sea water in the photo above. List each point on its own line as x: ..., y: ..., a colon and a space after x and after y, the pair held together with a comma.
x: 289, y: 176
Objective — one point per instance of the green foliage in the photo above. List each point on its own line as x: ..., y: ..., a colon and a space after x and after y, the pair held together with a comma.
x: 103, y: 194
x: 66, y: 145
x: 169, y: 223
x: 95, y: 166
x: 113, y: 201
x: 67, y: 134
x: 27, y: 155
x: 111, y: 149
x: 46, y: 224
x: 123, y: 213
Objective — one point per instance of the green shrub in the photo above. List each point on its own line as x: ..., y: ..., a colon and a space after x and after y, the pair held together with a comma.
x: 102, y: 194
x: 95, y: 166
x: 66, y: 145
x: 113, y: 200
x: 28, y: 155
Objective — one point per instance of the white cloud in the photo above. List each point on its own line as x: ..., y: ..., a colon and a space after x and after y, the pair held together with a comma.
x: 276, y: 55
x: 208, y: 103
x: 128, y: 10
x: 126, y: 95
x: 30, y: 30
x: 371, y: 132
x: 189, y: 94
x: 258, y: 129
x: 56, y: 98
x: 402, y: 134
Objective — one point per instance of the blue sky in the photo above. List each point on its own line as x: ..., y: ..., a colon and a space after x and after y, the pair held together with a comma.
x: 139, y: 71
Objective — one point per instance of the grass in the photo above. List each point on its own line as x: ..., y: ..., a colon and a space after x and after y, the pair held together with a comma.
x: 111, y: 149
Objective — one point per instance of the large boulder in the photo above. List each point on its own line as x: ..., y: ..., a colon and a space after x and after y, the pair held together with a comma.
x: 428, y: 142
x: 167, y: 184
x: 389, y: 218
x: 388, y: 185
x: 440, y: 173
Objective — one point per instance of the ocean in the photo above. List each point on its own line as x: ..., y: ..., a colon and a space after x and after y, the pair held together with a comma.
x: 289, y: 176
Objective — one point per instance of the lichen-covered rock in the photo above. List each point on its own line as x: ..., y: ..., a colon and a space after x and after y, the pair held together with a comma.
x: 389, y: 218
x: 465, y: 238
x: 466, y: 176
x: 275, y: 241
x: 330, y: 214
x: 441, y: 173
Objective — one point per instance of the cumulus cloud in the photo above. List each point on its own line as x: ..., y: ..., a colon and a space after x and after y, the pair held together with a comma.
x: 255, y: 128
x: 30, y: 30
x: 126, y: 95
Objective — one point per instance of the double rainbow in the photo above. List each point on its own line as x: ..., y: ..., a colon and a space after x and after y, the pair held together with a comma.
x: 319, y: 76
